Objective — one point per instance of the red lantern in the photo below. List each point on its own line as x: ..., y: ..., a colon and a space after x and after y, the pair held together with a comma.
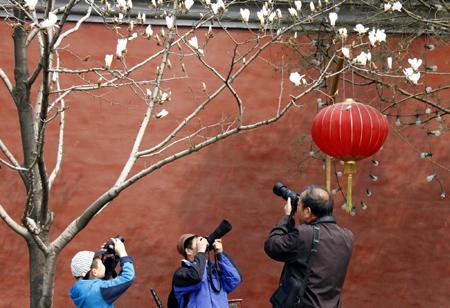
x: 349, y: 131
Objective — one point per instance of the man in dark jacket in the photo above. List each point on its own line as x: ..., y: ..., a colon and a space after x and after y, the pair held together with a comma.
x: 292, y: 245
x: 198, y: 282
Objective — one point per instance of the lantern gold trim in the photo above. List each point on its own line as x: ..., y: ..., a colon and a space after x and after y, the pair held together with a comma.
x: 349, y: 170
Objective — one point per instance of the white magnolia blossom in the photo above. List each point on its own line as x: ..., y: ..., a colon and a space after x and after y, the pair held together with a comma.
x: 148, y: 92
x: 245, y: 14
x: 431, y: 177
x: 292, y: 12
x: 148, y: 31
x: 121, y: 47
x: 193, y: 42
x: 426, y: 154
x: 397, y: 6
x: 372, y: 37
x: 415, y: 63
x: 389, y: 62
x: 296, y: 78
x: 188, y: 4
x: 108, y: 61
x: 272, y: 16
x: 133, y: 36
x: 165, y: 96
x: 265, y: 11
x: 170, y: 21
x: 380, y: 35
x: 435, y: 133
x: 141, y: 17
x: 221, y: 5
x: 162, y: 114
x: 298, y: 5
x: 124, y: 5
x: 279, y: 15
x: 343, y: 33
x: 360, y: 29
x: 428, y: 110
x: 49, y: 22
x: 346, y: 52
x: 31, y: 4
x: 312, y: 6
x: 218, y: 7
x: 260, y: 15
x: 411, y: 75
x: 55, y: 77
x: 376, y: 36
x: 215, y: 8
x: 333, y: 17
x: 363, y: 57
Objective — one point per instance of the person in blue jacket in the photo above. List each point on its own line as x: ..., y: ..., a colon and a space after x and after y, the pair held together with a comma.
x: 90, y: 289
x: 199, y: 282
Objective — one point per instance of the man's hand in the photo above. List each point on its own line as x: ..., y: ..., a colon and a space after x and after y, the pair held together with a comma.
x: 288, y: 207
x: 202, y: 244
x: 218, y: 248
x: 119, y: 247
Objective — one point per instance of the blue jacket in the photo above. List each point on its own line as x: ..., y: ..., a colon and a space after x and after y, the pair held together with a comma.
x: 98, y: 293
x: 192, y: 288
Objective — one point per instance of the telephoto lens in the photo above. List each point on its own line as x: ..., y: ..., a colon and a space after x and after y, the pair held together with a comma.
x: 284, y: 192
x: 223, y: 228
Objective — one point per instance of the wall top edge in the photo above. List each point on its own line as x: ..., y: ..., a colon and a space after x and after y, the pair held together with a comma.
x: 350, y: 13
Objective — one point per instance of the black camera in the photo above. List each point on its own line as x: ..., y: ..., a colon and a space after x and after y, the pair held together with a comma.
x: 223, y: 228
x: 109, y: 245
x: 282, y: 191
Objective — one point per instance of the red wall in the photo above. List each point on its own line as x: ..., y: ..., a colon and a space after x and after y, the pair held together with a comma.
x: 401, y: 249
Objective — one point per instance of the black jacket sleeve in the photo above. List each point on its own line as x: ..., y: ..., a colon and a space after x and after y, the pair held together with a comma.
x: 190, y: 275
x: 282, y: 244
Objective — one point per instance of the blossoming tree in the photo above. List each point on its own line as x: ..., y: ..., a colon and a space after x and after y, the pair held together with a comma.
x: 333, y: 48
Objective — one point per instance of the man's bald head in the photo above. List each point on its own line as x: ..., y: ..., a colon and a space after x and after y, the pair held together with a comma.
x: 318, y: 199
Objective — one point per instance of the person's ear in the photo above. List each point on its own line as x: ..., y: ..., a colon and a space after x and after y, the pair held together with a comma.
x: 188, y: 251
x: 307, y: 211
x: 93, y: 272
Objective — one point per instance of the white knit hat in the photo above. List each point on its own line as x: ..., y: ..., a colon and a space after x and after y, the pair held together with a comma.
x: 82, y: 261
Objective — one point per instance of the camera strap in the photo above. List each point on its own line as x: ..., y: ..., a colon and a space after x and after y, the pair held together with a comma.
x: 210, y: 272
x: 314, y: 247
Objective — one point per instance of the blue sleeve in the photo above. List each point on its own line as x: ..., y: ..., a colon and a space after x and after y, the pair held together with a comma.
x: 112, y: 289
x: 231, y: 276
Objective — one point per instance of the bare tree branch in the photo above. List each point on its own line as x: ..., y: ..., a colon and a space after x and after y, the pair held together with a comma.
x: 59, y: 153
x: 12, y: 224
x: 74, y: 29
x: 6, y: 81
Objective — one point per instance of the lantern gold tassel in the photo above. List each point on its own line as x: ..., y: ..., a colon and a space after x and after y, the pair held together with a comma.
x: 349, y: 170
x: 328, y: 172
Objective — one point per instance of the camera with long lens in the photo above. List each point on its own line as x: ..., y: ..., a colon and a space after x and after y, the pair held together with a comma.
x: 284, y: 192
x: 223, y: 228
x: 110, y: 247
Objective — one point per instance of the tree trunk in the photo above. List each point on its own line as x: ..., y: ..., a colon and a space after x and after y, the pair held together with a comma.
x: 42, y: 277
